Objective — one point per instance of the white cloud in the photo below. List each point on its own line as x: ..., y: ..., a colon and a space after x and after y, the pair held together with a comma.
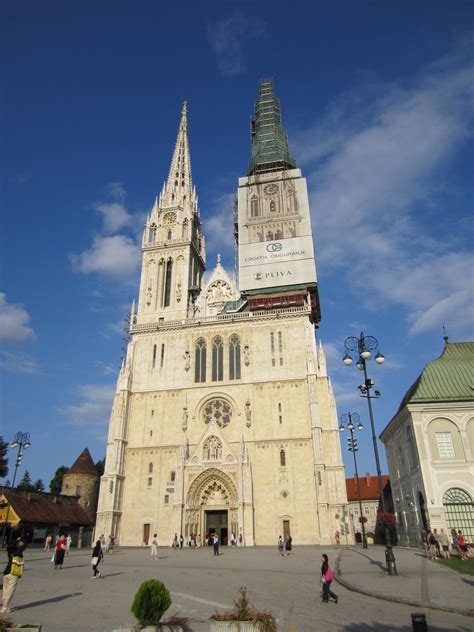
x: 14, y: 321
x: 380, y: 176
x: 18, y: 362
x: 115, y: 216
x: 93, y: 408
x: 217, y: 227
x: 106, y: 368
x: 226, y: 38
x: 116, y: 257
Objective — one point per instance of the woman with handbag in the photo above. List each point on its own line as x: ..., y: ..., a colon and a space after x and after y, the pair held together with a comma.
x: 59, y: 552
x: 97, y: 557
x: 13, y: 571
x: 326, y: 578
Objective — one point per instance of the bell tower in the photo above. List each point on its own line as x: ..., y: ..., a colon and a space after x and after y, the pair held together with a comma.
x: 173, y: 245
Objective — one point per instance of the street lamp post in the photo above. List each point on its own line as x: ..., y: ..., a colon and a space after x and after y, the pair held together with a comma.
x: 21, y: 441
x: 364, y: 346
x: 352, y: 447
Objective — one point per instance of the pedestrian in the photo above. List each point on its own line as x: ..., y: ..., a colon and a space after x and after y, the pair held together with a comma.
x: 326, y: 577
x: 215, y: 543
x: 68, y: 544
x: 198, y: 541
x: 241, y: 539
x: 206, y: 539
x: 443, y: 540
x: 337, y: 536
x: 288, y: 545
x: 175, y: 543
x: 97, y: 557
x: 432, y: 543
x: 59, y: 552
x: 438, y: 546
x: 454, y: 536
x: 281, y: 545
x: 181, y: 541
x: 154, y: 547
x: 13, y: 572
x: 102, y: 540
x: 47, y: 542
x: 233, y: 540
x: 424, y: 542
x: 109, y: 547
x: 462, y: 546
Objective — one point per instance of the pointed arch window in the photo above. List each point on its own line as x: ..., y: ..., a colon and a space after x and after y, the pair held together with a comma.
x: 200, y: 360
x: 169, y: 235
x: 282, y: 458
x: 273, y: 206
x: 254, y: 210
x: 234, y: 358
x: 152, y: 233
x: 217, y: 359
x: 150, y: 468
x: 167, y: 289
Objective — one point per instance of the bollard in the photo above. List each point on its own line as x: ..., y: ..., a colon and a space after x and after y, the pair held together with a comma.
x: 418, y: 622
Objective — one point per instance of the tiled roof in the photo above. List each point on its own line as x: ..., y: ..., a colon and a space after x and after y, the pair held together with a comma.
x: 38, y: 507
x: 449, y: 378
x: 369, y: 487
x: 83, y: 464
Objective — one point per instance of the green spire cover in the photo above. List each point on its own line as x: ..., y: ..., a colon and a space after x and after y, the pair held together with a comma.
x: 269, y: 142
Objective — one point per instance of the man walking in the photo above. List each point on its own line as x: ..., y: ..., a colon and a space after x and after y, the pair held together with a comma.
x: 215, y: 543
x: 154, y: 547
x: 13, y: 572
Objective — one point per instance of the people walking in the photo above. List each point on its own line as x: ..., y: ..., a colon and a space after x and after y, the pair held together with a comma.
x: 68, y: 544
x: 97, y: 557
x: 462, y: 548
x: 181, y: 541
x: 444, y: 541
x: 215, y: 543
x: 432, y: 543
x: 233, y: 540
x: 47, y: 542
x: 59, y: 552
x: 154, y: 547
x: 281, y: 545
x: 13, y: 572
x: 326, y: 577
x: 175, y: 542
x: 289, y: 545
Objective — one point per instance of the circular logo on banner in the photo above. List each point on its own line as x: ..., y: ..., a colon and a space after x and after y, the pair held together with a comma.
x: 274, y: 247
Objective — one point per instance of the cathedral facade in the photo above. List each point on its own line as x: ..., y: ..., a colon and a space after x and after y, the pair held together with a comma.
x: 224, y: 420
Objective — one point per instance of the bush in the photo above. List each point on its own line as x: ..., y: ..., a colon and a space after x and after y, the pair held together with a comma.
x: 243, y: 611
x: 151, y: 602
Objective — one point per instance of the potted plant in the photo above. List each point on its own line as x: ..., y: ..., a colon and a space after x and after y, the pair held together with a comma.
x: 7, y: 625
x: 243, y: 618
x: 149, y: 605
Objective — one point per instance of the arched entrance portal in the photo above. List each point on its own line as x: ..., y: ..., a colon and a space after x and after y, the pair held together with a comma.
x: 211, y: 506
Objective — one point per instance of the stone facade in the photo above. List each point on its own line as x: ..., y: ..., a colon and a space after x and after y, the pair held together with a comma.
x: 224, y: 418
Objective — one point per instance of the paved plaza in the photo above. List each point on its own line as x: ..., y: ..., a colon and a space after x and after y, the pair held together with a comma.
x: 69, y: 600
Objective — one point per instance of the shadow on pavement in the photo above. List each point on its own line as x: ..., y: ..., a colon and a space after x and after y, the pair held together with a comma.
x: 33, y: 604
x: 382, y: 627
x: 468, y: 581
x: 112, y: 574
x: 374, y: 562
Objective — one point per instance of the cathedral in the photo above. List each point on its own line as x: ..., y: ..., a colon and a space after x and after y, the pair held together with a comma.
x: 224, y: 420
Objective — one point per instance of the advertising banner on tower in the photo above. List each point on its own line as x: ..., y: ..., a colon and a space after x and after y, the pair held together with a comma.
x: 275, y: 236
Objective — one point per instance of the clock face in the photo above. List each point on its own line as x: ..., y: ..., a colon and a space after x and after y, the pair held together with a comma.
x: 271, y: 189
x: 169, y: 218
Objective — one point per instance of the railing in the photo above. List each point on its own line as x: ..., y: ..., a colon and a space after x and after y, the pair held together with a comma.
x: 273, y: 313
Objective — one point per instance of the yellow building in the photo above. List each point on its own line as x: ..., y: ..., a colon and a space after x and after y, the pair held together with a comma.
x: 224, y: 418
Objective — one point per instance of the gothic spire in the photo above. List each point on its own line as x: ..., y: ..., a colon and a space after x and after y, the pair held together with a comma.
x: 269, y: 142
x: 178, y: 190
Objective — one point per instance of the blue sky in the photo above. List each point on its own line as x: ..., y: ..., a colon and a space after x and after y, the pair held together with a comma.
x: 377, y: 103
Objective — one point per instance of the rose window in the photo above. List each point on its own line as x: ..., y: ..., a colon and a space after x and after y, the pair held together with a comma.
x: 219, y: 411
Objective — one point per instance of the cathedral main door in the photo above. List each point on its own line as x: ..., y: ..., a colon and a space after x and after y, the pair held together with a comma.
x: 211, y: 506
x: 216, y: 522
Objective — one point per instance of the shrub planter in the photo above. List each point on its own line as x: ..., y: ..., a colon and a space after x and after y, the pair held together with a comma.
x: 234, y: 626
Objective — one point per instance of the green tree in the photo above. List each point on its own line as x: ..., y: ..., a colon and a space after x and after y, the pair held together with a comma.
x: 56, y: 482
x: 151, y: 602
x: 38, y: 485
x: 100, y: 466
x: 3, y: 458
x: 25, y: 484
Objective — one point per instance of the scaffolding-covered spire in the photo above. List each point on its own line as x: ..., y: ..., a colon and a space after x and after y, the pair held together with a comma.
x: 178, y: 190
x: 269, y: 142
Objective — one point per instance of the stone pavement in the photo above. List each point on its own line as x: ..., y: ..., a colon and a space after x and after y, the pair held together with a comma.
x: 420, y: 582
x: 199, y: 583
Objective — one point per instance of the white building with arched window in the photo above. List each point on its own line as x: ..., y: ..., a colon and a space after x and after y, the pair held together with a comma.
x: 430, y: 448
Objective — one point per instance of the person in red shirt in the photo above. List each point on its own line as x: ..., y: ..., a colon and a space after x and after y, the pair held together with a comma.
x: 462, y: 545
x: 59, y: 551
